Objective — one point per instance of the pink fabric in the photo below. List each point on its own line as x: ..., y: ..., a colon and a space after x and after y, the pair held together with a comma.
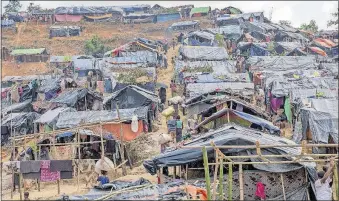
x: 276, y: 103
x: 68, y: 18
x: 260, y: 192
x: 100, y: 86
x: 45, y: 174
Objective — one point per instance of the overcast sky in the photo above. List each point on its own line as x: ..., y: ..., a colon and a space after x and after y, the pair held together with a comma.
x: 297, y: 12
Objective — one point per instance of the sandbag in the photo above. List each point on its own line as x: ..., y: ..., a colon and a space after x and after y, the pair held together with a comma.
x: 167, y: 112
x: 104, y: 164
x: 164, y: 138
x: 176, y: 100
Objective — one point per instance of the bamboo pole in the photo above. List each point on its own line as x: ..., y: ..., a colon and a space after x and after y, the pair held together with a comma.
x: 215, y: 177
x: 221, y: 180
x: 241, y: 182
x: 174, y: 171
x: 230, y: 181
x: 79, y: 157
x: 273, y: 162
x: 336, y: 184
x: 64, y: 144
x: 124, y: 172
x: 58, y: 181
x: 20, y: 191
x: 102, y: 143
x: 207, y: 173
x: 306, y: 178
x: 186, y: 172
x: 283, y: 186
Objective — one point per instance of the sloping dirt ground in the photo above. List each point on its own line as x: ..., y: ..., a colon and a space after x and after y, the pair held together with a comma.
x: 33, y: 36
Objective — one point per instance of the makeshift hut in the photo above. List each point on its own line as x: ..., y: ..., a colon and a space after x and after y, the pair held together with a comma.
x: 30, y: 55
x: 201, y: 38
x: 260, y: 27
x: 283, y: 48
x: 319, y: 123
x: 81, y: 99
x: 42, y: 16
x: 165, y: 17
x: 200, y: 11
x: 21, y: 107
x: 49, y: 89
x: 60, y: 62
x: 20, y: 123
x: 192, y: 160
x: 284, y: 36
x: 232, y: 32
x: 226, y: 21
x: 184, y: 25
x: 253, y: 49
x: 328, y: 46
x: 230, y: 10
x: 64, y: 31
x: 194, y: 53
x: 47, y: 121
x: 139, y: 18
x: 111, y: 120
x: 143, y: 8
x: 195, y: 89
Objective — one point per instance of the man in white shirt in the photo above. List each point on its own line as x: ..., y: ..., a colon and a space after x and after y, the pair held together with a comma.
x: 322, y: 185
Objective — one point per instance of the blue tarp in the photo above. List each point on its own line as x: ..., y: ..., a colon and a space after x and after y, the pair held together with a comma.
x: 65, y: 134
x: 258, y: 51
x: 168, y: 17
x: 257, y: 120
x: 334, y: 51
x: 7, y: 23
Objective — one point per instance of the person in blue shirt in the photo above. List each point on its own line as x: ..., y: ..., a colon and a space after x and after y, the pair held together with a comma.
x: 103, y: 179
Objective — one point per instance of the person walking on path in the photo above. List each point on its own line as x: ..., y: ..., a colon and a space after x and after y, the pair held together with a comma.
x: 179, y: 127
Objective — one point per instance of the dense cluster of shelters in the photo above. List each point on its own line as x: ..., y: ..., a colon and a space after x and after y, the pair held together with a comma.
x: 244, y: 82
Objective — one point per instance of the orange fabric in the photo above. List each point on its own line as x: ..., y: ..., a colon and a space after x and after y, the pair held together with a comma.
x: 325, y: 42
x: 126, y: 129
x: 194, y: 191
x: 318, y: 51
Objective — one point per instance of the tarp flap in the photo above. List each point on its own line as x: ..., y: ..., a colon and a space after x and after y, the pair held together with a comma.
x: 24, y: 119
x: 51, y: 116
x: 71, y: 119
x: 48, y: 85
x: 71, y: 97
x: 18, y: 107
x: 228, y: 135
x: 204, y: 53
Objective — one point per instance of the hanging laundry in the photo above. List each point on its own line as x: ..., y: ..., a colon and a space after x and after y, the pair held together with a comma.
x: 46, y: 174
x: 260, y: 192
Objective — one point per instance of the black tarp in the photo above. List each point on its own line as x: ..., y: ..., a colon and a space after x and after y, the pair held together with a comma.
x: 150, y: 86
x: 131, y: 97
x: 22, y: 123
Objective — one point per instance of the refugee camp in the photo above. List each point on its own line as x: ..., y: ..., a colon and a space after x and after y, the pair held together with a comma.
x: 169, y: 100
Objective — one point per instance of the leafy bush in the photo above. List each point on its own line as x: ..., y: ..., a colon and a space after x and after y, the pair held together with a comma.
x: 95, y: 47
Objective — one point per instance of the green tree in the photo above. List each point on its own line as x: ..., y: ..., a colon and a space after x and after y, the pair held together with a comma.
x: 335, y: 20
x: 312, y: 26
x: 95, y: 47
x: 32, y: 7
x: 220, y: 39
x: 13, y: 6
x: 285, y: 22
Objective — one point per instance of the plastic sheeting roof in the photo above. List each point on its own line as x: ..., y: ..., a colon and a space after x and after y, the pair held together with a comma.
x: 27, y: 78
x: 149, y: 95
x: 219, y: 67
x: 229, y: 29
x: 17, y: 106
x: 204, y: 53
x: 230, y: 135
x: 195, y: 89
x: 50, y: 117
x: 202, y: 34
x: 289, y: 46
x: 71, y: 119
x: 17, y: 119
x: 282, y: 62
x: 71, y: 97
x: 50, y: 84
x: 76, y: 10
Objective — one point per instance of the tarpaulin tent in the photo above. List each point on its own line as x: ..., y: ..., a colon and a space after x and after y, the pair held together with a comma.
x: 50, y: 88
x: 184, y: 25
x: 231, y: 10
x: 131, y: 96
x: 199, y: 11
x: 201, y: 38
x: 228, y: 21
x: 51, y: 116
x: 25, y: 106
x: 195, y: 89
x: 64, y: 31
x: 233, y: 32
x: 167, y: 17
x: 203, y: 53
x: 67, y: 18
x: 316, y: 50
x: 22, y: 123
x: 289, y: 36
x: 230, y: 135
x: 73, y: 119
x: 7, y: 23
x: 322, y: 120
x: 264, y: 124
x: 218, y: 67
